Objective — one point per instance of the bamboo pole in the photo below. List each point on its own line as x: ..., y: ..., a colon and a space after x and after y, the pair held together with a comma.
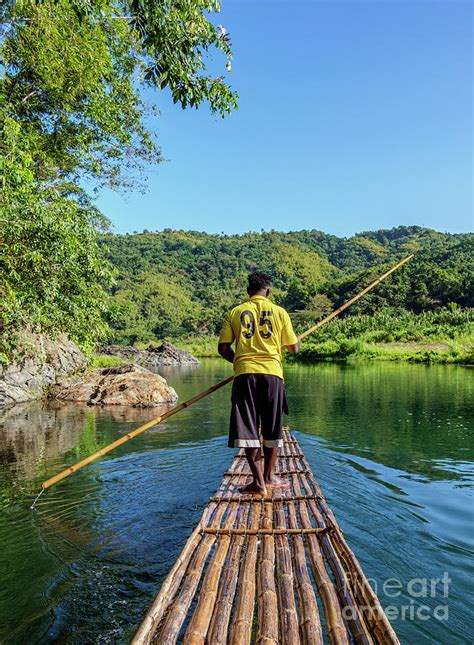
x: 366, y: 597
x: 270, y: 531
x: 288, y: 615
x: 241, y: 628
x: 337, y: 632
x: 254, y: 499
x: 310, y: 621
x: 267, y: 598
x: 130, y: 435
x: 223, y: 607
x: 134, y: 433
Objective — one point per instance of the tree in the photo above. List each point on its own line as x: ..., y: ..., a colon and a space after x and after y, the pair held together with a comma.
x: 72, y: 73
x: 51, y: 271
x: 152, y: 306
x: 71, y: 110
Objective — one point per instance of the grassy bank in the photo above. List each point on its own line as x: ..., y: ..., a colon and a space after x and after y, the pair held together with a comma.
x: 103, y: 360
x: 459, y: 351
x: 443, y: 336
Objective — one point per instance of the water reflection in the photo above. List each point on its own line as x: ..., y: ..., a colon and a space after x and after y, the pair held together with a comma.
x: 32, y: 433
x: 414, y: 417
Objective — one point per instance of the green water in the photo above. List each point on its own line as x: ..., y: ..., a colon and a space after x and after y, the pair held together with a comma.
x: 391, y: 445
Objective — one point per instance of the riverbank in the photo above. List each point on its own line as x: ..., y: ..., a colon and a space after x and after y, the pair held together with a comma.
x: 459, y: 350
x: 445, y: 335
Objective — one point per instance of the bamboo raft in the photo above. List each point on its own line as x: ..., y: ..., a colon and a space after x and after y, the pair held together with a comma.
x: 267, y: 570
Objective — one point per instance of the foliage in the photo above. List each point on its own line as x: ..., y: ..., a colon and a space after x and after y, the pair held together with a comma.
x: 104, y: 361
x: 71, y: 115
x: 201, y: 346
x: 313, y: 272
x: 442, y: 336
x: 51, y: 271
x: 390, y: 325
x: 150, y: 307
x: 445, y: 335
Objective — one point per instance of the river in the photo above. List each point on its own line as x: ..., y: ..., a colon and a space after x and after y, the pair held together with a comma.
x: 390, y: 444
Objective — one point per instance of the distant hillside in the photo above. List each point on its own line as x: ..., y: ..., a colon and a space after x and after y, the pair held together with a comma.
x: 179, y: 283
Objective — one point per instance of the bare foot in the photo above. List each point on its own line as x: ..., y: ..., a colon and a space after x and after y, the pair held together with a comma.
x: 252, y: 489
x: 277, y: 482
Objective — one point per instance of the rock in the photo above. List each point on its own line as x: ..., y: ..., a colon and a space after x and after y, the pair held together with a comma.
x: 46, y: 360
x: 154, y: 356
x: 130, y: 385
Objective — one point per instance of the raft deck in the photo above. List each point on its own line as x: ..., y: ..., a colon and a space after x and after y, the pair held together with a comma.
x: 272, y: 569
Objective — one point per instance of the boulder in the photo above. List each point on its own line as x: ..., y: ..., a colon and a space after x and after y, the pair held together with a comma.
x: 153, y: 356
x: 45, y: 360
x: 130, y: 385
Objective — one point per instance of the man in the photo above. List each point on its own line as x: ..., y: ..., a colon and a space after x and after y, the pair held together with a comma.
x: 260, y: 330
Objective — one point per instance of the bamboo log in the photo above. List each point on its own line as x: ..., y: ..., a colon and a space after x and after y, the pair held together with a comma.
x: 223, y: 607
x: 337, y: 633
x: 351, y: 613
x: 361, y: 589
x: 288, y: 615
x: 371, y: 607
x: 178, y: 610
x: 260, y: 498
x: 241, y: 628
x: 229, y: 473
x: 310, y: 622
x: 267, y: 598
x: 199, y: 624
x: 366, y: 597
x: 180, y: 606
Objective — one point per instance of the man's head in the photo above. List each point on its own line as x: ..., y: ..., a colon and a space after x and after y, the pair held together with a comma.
x: 259, y: 284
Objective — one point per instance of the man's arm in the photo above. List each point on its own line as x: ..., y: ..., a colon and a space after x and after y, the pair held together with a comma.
x: 293, y: 348
x: 289, y: 338
x: 226, y: 351
x: 226, y: 338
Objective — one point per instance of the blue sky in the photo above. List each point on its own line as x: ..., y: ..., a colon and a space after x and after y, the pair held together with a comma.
x: 353, y: 116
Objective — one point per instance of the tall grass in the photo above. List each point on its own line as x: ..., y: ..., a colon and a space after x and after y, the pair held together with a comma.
x: 400, y: 326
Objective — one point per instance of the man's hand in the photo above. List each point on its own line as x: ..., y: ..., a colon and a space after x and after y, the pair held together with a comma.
x: 226, y: 351
x: 293, y: 348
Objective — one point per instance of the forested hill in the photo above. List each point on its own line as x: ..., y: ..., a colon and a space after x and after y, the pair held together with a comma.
x: 178, y: 283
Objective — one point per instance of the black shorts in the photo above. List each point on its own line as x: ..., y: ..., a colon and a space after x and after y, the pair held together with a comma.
x: 257, y: 398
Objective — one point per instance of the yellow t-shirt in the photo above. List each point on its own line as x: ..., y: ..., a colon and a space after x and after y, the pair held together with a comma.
x: 260, y: 330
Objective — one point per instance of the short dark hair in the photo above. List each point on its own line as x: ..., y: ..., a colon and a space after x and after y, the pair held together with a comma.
x: 258, y: 281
